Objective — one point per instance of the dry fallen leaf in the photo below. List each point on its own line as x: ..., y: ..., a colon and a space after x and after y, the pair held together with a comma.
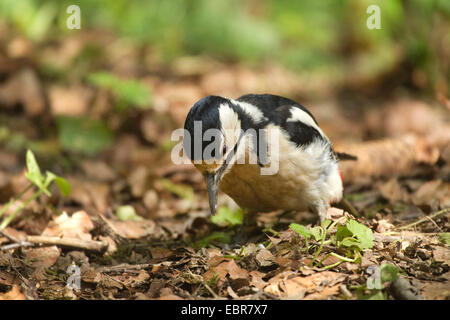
x: 437, y: 290
x: 133, y: 229
x: 76, y: 226
x: 441, y: 253
x: 226, y: 268
x: 264, y: 258
x: 13, y: 294
x: 43, y: 257
x: 72, y: 101
x: 393, y: 191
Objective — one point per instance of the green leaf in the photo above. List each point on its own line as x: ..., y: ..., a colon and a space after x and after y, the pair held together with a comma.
x: 325, y: 223
x: 350, y: 242
x: 316, y: 232
x: 34, y: 173
x: 355, y: 234
x: 84, y: 135
x: 343, y: 232
x: 127, y: 213
x: 128, y: 91
x: 222, y: 237
x: 364, y: 234
x: 32, y: 165
x: 376, y: 295
x: 302, y: 230
x: 445, y: 238
x: 63, y: 186
x: 226, y: 217
x: 182, y: 190
x: 388, y: 272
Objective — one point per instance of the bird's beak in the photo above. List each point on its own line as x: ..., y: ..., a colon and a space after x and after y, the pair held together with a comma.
x: 212, y: 182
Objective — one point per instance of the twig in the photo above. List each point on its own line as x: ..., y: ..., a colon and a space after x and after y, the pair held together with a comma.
x: 210, y: 290
x: 16, y: 242
x: 434, y: 215
x: 10, y: 237
x: 125, y: 266
x: 11, y: 246
x: 435, y: 224
x: 89, y: 245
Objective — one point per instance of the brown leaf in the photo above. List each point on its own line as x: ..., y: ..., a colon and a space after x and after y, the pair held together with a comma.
x: 43, y: 257
x: 133, y: 229
x: 392, y: 191
x: 437, y: 290
x: 235, y: 271
x: 137, y: 180
x: 89, y: 193
x: 170, y: 297
x: 98, y: 170
x: 384, y: 225
x: 226, y: 268
x: 442, y: 254
x: 293, y: 288
x: 23, y: 88
x: 13, y: 294
x: 324, y: 294
x: 433, y: 193
x: 72, y: 101
x: 256, y: 279
x: 76, y: 226
x: 264, y: 258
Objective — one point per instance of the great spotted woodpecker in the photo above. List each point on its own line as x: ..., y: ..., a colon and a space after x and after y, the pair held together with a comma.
x: 307, y: 175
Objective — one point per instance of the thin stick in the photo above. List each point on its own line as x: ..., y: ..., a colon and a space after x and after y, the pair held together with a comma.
x: 16, y: 245
x: 126, y: 266
x: 434, y: 215
x: 210, y: 290
x: 16, y: 242
x: 89, y: 245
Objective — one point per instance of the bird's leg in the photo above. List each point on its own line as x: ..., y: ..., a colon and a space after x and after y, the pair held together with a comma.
x: 244, y: 233
x: 321, y: 210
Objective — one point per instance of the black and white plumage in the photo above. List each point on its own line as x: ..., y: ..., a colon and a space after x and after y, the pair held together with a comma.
x: 308, y: 176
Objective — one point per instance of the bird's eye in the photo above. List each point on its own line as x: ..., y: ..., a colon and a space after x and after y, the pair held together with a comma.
x: 224, y: 150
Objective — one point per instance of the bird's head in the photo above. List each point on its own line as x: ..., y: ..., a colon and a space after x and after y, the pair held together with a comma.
x: 212, y: 132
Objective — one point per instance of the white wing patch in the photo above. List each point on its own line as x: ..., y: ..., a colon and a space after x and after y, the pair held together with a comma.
x: 298, y: 114
x: 251, y: 110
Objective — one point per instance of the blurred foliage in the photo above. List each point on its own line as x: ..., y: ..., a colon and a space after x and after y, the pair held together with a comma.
x: 323, y: 35
x: 324, y: 38
x: 127, y: 213
x: 83, y: 135
x: 227, y: 217
x: 128, y: 92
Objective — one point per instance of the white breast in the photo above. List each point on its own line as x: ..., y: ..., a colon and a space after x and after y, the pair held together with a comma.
x: 307, y: 178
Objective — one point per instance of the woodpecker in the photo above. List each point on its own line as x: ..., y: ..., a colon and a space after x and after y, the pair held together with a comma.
x: 307, y: 175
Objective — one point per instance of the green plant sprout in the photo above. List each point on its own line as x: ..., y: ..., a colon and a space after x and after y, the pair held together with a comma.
x: 353, y: 237
x: 379, y: 280
x: 42, y: 183
x: 227, y: 217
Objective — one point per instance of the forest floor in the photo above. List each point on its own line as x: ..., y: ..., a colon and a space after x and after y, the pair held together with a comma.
x: 167, y: 246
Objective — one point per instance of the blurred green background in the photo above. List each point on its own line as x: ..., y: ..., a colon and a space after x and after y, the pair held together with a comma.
x: 158, y: 57
x: 325, y: 36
